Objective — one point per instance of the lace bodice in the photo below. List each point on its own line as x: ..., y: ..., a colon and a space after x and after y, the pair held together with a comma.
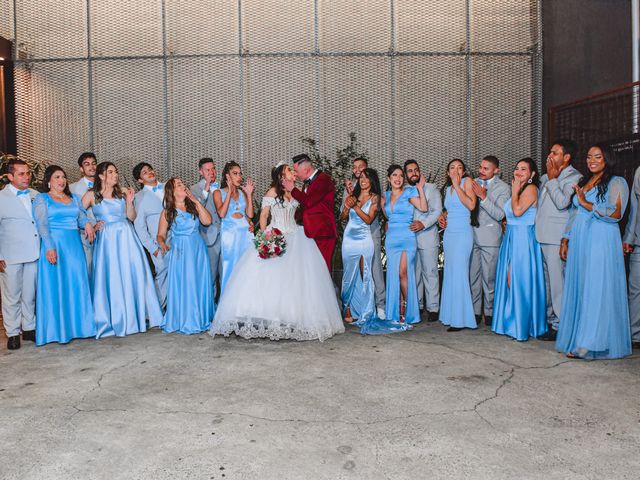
x: 282, y: 213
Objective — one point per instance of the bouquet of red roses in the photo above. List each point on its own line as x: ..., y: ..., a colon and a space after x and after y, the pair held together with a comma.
x: 270, y: 243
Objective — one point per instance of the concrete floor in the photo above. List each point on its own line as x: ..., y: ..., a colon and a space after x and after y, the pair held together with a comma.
x: 422, y: 404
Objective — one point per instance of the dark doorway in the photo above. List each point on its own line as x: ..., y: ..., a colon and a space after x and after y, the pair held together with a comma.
x: 7, y: 102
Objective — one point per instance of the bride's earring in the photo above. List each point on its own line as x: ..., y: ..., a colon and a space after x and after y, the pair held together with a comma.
x: 530, y: 180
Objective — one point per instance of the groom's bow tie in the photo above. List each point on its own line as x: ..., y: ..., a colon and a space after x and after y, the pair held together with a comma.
x: 157, y: 187
x: 22, y: 192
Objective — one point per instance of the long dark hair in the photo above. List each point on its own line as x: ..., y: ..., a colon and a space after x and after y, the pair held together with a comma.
x: 101, y: 169
x: 610, y: 170
x: 227, y: 168
x: 535, y: 180
x: 276, y: 181
x: 372, y: 176
x: 48, y: 173
x: 476, y: 210
x: 169, y: 202
x: 392, y: 168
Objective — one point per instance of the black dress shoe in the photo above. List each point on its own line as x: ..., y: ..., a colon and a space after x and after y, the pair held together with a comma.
x: 29, y: 335
x: 550, y: 336
x: 13, y: 343
x: 433, y: 316
x: 488, y: 320
x: 478, y: 319
x: 453, y: 329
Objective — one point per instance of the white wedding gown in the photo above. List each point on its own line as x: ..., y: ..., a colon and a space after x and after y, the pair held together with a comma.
x: 286, y: 297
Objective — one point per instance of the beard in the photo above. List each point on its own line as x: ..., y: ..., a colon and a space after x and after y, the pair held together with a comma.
x: 413, y: 182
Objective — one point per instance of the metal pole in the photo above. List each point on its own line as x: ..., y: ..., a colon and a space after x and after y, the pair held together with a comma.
x: 394, y: 84
x: 241, y: 66
x: 468, y: 86
x: 92, y: 142
x: 165, y: 94
x: 316, y: 50
x: 635, y: 38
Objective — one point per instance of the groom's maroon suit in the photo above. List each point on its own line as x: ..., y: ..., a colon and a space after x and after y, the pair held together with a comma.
x: 317, y: 213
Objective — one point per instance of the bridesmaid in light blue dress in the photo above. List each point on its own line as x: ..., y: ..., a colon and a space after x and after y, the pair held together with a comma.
x: 594, y: 322
x: 361, y: 209
x: 519, y: 309
x: 234, y: 204
x: 63, y: 300
x: 456, y: 306
x: 190, y: 304
x: 399, y: 204
x: 124, y: 293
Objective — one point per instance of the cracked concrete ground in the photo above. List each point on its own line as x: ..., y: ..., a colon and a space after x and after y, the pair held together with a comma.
x: 422, y: 404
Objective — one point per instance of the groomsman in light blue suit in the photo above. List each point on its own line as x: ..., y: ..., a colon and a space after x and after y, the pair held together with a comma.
x: 87, y: 163
x: 554, y: 203
x: 19, y: 253
x: 631, y: 244
x: 148, y: 204
x: 203, y: 191
x: 425, y: 226
x: 492, y: 194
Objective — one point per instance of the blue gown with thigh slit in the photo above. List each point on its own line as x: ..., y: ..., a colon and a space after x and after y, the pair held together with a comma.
x: 357, y: 284
x: 399, y: 240
x: 520, y: 304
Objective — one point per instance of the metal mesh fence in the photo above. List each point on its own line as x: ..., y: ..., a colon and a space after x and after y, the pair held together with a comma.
x: 611, y: 117
x: 171, y: 81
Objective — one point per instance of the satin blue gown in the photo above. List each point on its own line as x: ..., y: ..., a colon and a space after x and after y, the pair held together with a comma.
x: 190, y: 305
x: 124, y: 293
x: 456, y: 306
x: 400, y: 239
x: 357, y: 287
x: 519, y: 311
x: 235, y: 236
x: 63, y: 297
x: 594, y: 322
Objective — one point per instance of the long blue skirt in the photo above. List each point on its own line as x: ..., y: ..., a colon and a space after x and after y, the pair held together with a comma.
x: 595, y: 314
x: 63, y: 300
x: 519, y: 311
x: 190, y: 304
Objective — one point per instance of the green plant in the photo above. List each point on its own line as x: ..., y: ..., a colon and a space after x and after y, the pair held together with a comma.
x: 338, y: 169
x: 37, y: 170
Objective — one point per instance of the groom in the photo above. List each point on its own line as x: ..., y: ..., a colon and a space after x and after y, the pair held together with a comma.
x: 316, y: 199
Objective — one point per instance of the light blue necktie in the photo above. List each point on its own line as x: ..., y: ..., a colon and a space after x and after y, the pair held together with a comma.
x: 22, y: 192
x: 156, y: 188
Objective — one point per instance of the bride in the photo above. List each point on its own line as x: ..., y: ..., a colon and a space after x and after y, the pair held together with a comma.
x: 286, y: 297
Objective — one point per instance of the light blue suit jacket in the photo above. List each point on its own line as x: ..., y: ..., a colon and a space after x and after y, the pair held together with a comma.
x: 490, y: 214
x: 554, y: 204
x: 632, y: 230
x: 80, y: 188
x: 428, y: 237
x: 19, y: 238
x: 211, y: 232
x: 148, y: 209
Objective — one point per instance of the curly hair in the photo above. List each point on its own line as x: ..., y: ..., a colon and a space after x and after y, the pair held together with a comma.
x: 169, y: 202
